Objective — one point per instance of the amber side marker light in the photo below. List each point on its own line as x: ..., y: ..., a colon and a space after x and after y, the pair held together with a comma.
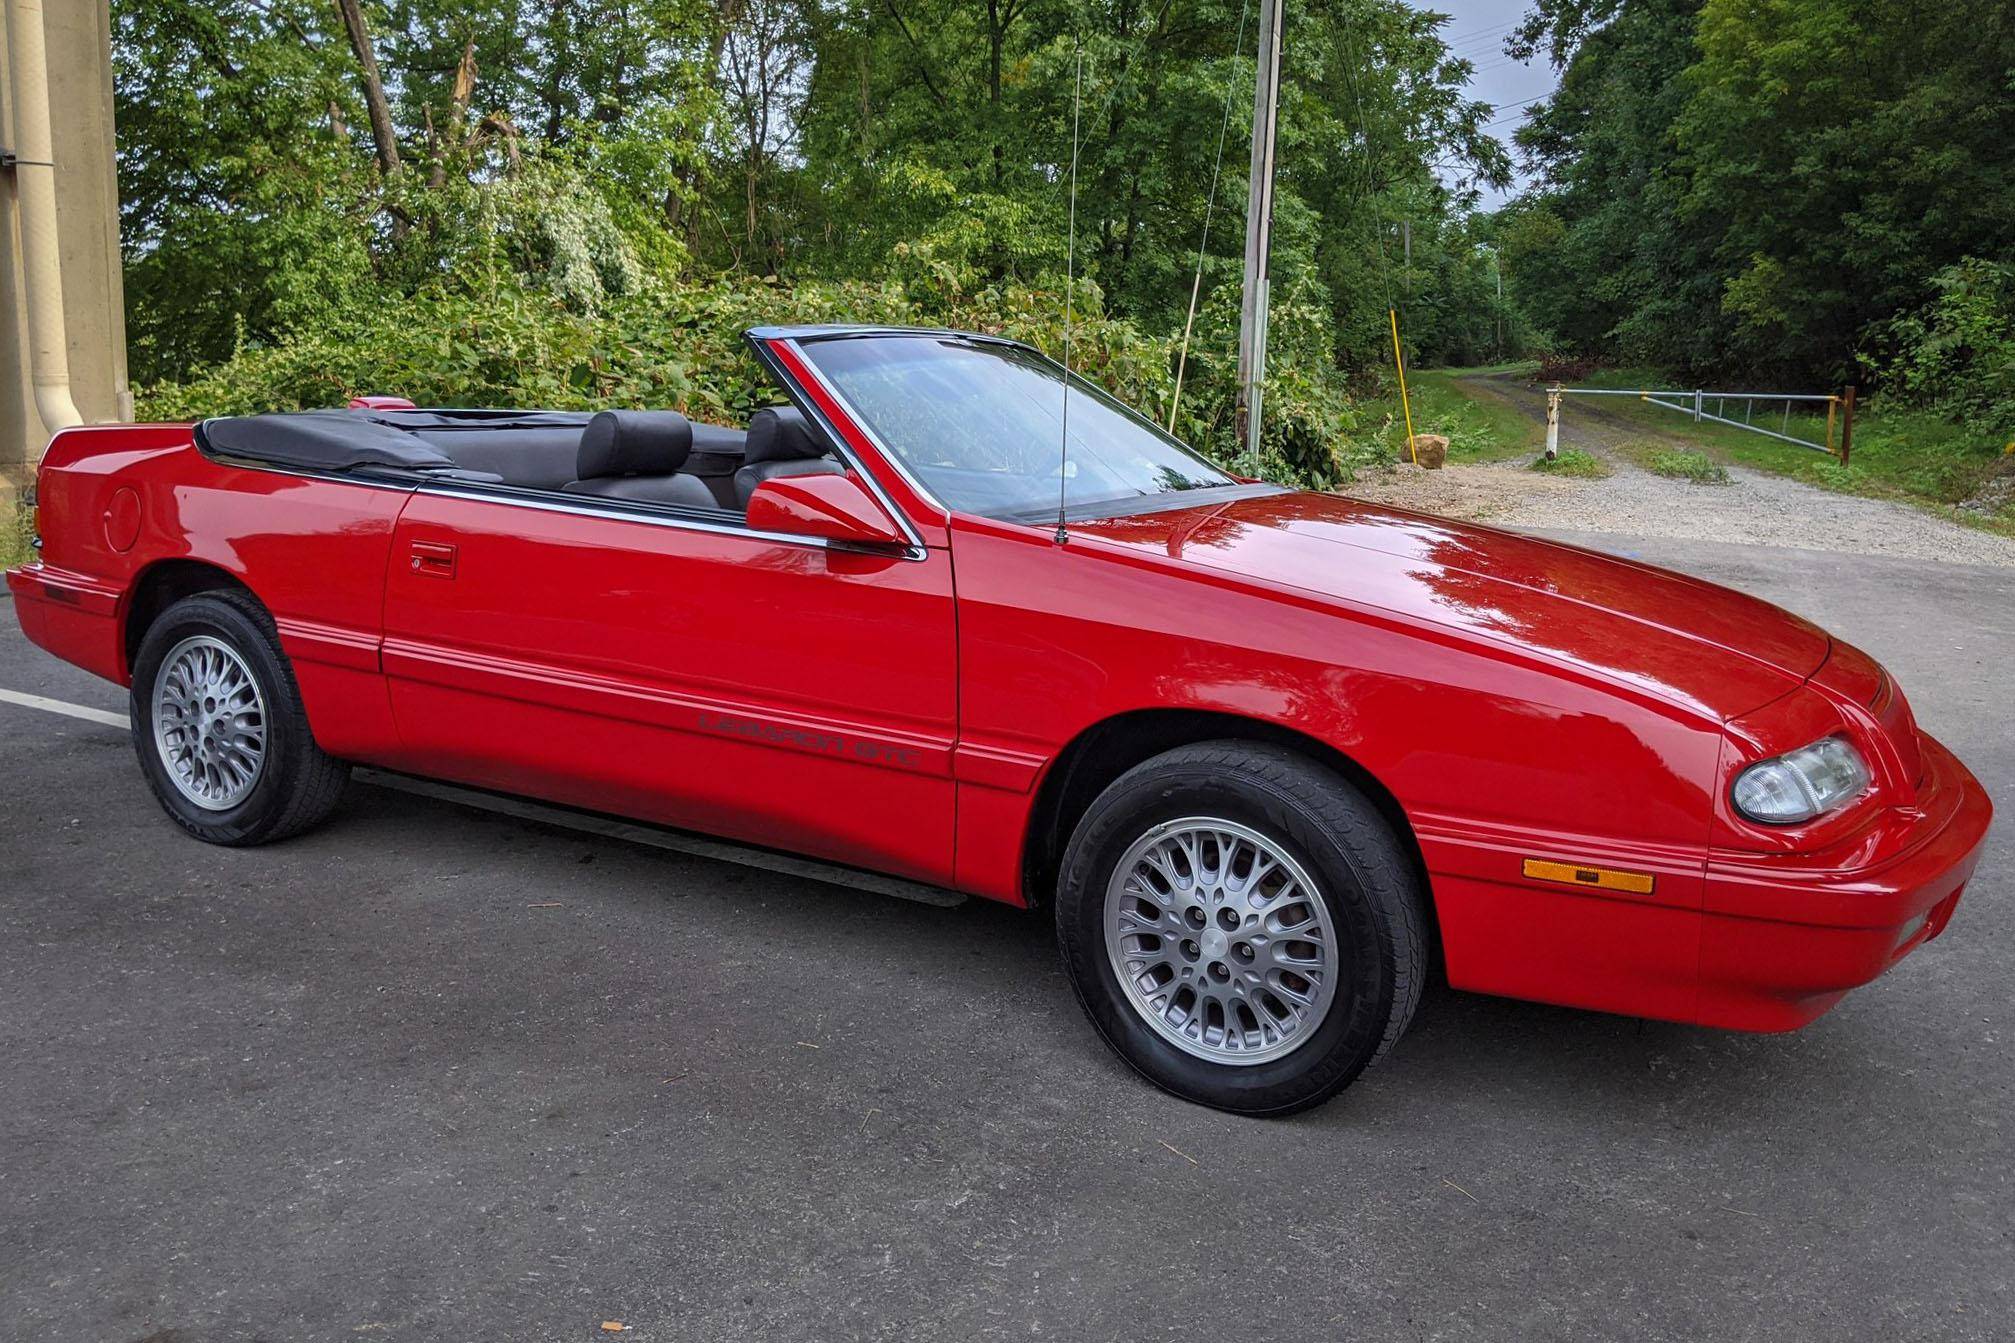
x: 1601, y: 878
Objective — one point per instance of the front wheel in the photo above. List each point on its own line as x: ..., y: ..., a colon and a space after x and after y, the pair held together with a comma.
x: 219, y: 728
x: 1242, y: 926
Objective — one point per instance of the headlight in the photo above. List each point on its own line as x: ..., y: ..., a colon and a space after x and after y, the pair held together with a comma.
x: 1801, y: 784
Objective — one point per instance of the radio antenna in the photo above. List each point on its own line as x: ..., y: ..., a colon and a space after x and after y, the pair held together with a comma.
x: 1069, y: 284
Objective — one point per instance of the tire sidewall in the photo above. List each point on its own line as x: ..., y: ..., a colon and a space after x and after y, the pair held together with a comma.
x: 220, y: 620
x: 1349, y: 1035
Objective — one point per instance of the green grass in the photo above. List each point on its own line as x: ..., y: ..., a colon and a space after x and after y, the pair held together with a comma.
x: 1477, y: 431
x: 1898, y: 453
x: 1573, y: 462
x: 14, y: 533
x: 1697, y: 467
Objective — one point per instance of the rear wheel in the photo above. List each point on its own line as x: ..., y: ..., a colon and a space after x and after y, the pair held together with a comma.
x: 1242, y: 926
x: 219, y: 728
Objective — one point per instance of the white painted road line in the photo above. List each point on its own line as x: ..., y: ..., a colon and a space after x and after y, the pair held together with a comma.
x: 47, y: 705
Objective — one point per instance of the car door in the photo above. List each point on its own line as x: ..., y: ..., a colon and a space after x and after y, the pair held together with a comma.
x: 774, y: 690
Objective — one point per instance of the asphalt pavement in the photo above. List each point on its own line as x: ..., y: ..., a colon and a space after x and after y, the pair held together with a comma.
x: 433, y: 1072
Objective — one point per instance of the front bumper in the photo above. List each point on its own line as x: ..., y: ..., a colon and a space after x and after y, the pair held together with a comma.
x: 1785, y: 936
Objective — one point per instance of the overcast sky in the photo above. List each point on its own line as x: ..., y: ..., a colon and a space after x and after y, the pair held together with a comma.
x: 1476, y: 30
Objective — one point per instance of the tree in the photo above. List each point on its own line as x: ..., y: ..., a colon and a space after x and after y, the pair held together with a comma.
x: 386, y: 139
x: 924, y: 142
x: 1754, y: 186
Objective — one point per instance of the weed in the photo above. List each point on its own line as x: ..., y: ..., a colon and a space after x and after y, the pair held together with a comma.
x: 1575, y: 463
x: 1697, y: 467
x: 15, y: 531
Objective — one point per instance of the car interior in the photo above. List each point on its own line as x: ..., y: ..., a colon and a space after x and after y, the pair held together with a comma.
x: 643, y: 456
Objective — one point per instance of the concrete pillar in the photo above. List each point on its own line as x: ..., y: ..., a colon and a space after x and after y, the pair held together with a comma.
x: 78, y: 39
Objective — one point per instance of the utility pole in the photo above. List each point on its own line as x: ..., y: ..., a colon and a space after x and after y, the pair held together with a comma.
x: 1258, y: 227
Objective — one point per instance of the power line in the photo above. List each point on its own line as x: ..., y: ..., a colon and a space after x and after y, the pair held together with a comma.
x: 1519, y: 111
x: 1490, y: 28
x: 1532, y: 99
x: 1502, y: 61
x: 1484, y: 45
x: 1210, y: 202
x: 1377, y: 229
x: 1480, y: 34
x: 1519, y: 115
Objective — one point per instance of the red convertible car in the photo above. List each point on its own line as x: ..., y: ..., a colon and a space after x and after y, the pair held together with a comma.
x: 1267, y: 756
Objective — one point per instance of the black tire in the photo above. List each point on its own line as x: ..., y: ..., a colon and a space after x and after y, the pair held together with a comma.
x: 1362, y: 874
x: 298, y: 785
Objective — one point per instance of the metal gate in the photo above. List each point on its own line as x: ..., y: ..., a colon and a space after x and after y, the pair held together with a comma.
x: 1839, y: 412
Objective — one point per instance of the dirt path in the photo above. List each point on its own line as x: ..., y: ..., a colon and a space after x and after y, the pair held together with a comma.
x: 1755, y: 508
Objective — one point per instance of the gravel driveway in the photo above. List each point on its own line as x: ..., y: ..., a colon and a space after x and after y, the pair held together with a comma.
x: 1755, y: 508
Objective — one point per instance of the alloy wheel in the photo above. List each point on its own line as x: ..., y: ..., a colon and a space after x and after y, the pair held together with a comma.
x: 1220, y: 941
x: 209, y: 723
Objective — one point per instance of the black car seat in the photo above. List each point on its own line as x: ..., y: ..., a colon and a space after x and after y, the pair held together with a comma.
x: 717, y: 455
x: 636, y: 455
x: 780, y: 443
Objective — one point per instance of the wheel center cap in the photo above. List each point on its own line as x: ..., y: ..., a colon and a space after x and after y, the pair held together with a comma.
x: 1214, y: 943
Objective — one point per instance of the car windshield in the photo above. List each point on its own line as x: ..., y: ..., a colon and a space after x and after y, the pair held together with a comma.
x: 980, y: 424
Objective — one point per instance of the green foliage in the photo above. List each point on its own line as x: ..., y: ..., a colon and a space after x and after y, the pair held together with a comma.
x: 590, y: 202
x: 1956, y: 354
x: 494, y: 339
x: 1753, y: 188
x: 1573, y: 463
x: 16, y: 530
x: 1602, y: 256
x: 592, y: 154
x: 1679, y: 464
x: 251, y: 206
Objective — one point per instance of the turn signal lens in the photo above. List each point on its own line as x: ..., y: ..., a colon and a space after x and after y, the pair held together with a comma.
x: 1802, y: 784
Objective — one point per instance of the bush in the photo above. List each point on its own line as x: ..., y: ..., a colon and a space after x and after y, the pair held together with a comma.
x: 529, y: 290
x: 673, y: 345
x: 1956, y: 354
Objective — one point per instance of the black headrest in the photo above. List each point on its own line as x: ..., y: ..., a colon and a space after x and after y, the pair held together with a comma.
x: 781, y: 434
x: 633, y: 443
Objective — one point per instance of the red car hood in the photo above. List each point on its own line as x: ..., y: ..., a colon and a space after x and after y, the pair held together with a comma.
x: 1717, y: 650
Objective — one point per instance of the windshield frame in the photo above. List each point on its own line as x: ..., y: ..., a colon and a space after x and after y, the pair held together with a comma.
x: 1196, y: 497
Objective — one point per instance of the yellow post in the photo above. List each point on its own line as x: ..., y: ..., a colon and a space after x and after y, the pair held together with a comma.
x: 1398, y: 362
x: 1832, y: 402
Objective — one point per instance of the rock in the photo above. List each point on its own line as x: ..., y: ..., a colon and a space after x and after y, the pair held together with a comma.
x: 1997, y: 492
x: 1431, y: 449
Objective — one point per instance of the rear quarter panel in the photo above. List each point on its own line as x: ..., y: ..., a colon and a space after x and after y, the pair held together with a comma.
x: 115, y: 502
